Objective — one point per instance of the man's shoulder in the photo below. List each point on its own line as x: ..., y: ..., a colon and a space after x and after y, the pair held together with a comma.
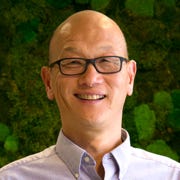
x: 152, y: 158
x: 45, y: 154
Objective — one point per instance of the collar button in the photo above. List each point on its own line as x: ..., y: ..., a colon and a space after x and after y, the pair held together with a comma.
x: 86, y: 159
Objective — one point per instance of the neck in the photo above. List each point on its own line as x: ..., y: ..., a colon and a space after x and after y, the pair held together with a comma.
x: 96, y: 141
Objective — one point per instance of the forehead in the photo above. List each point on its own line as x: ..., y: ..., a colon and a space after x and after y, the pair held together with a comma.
x: 81, y: 32
x: 83, y: 48
x: 88, y: 26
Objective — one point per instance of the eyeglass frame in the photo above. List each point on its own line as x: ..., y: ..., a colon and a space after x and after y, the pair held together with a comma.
x: 88, y: 61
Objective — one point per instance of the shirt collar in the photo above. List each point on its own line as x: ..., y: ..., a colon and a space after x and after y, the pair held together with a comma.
x: 72, y: 154
x: 122, y: 153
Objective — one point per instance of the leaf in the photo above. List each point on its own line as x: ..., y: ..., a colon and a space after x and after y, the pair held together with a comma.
x: 27, y: 30
x: 4, y: 131
x: 34, y: 23
x: 11, y: 144
x: 59, y: 3
x: 29, y: 36
x: 176, y: 98
x: 160, y: 147
x: 169, y: 2
x: 163, y: 99
x: 82, y: 1
x: 141, y: 7
x: 99, y: 4
x: 174, y: 119
x: 145, y: 121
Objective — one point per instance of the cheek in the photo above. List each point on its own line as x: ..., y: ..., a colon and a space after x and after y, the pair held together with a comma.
x: 63, y: 93
x: 119, y: 88
x: 120, y: 83
x: 58, y: 88
x: 60, y: 91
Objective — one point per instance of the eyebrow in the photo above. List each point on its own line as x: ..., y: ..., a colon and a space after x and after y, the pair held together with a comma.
x: 74, y: 49
x: 71, y: 49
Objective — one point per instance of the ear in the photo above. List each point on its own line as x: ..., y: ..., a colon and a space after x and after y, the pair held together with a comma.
x: 131, y: 73
x: 45, y: 75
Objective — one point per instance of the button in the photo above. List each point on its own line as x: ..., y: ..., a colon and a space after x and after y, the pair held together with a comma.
x: 76, y: 175
x: 86, y: 159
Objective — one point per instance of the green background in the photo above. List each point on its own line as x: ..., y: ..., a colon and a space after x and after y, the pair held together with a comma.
x: 29, y: 122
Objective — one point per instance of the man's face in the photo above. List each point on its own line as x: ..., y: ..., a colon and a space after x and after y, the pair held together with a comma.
x: 91, y: 98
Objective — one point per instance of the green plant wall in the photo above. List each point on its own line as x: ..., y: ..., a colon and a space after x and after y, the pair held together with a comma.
x: 30, y: 123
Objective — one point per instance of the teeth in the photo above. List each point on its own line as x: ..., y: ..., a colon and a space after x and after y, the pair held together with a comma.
x: 90, y: 97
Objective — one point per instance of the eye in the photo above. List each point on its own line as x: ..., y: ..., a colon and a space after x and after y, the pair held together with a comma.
x: 108, y: 60
x: 72, y: 62
x: 104, y: 60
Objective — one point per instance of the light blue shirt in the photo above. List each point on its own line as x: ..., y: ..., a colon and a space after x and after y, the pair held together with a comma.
x: 67, y: 161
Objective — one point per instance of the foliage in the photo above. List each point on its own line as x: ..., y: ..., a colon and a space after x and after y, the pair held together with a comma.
x: 164, y: 100
x: 99, y: 4
x: 11, y: 144
x: 174, y: 120
x: 59, y: 3
x: 149, y: 128
x: 82, y: 1
x: 160, y: 147
x: 176, y: 98
x: 145, y: 122
x: 141, y: 7
x: 4, y: 132
x: 173, y: 117
x: 150, y: 115
x: 169, y: 2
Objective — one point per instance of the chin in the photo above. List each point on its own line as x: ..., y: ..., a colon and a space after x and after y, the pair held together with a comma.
x: 94, y: 120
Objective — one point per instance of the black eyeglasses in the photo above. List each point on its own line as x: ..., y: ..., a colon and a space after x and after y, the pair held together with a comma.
x: 77, y: 66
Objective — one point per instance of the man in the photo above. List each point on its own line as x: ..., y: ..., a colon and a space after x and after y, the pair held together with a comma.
x: 90, y: 76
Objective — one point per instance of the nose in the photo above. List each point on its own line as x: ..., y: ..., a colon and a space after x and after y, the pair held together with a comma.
x: 90, y: 78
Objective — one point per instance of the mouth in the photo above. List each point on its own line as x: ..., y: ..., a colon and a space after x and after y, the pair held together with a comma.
x: 90, y: 96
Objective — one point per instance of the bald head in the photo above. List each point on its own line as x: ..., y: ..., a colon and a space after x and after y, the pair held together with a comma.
x: 88, y: 26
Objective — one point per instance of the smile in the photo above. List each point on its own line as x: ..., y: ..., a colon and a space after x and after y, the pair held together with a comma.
x: 90, y: 96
